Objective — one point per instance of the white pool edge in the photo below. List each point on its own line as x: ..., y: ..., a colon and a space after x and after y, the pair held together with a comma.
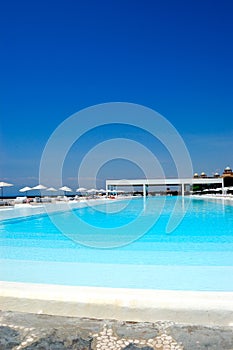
x: 190, y: 307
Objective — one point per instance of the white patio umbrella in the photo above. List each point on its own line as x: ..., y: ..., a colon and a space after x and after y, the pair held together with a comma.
x: 81, y: 189
x: 92, y: 190
x: 4, y: 184
x: 25, y: 189
x: 39, y: 187
x: 51, y: 189
x: 65, y: 189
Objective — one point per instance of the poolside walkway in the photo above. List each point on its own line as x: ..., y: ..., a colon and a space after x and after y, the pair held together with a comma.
x: 42, y: 332
x: 136, y: 305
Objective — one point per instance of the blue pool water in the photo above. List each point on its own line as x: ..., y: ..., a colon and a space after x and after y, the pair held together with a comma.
x: 124, y: 244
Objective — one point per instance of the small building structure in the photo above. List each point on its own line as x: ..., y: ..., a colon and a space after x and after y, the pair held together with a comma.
x: 228, y: 177
x: 227, y: 171
x: 203, y: 175
x: 185, y: 184
x: 216, y: 175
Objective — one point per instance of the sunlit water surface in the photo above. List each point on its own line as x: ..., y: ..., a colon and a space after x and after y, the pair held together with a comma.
x: 124, y: 244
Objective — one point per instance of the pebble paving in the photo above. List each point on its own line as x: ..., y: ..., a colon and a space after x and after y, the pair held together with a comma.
x: 107, y: 339
x: 20, y: 331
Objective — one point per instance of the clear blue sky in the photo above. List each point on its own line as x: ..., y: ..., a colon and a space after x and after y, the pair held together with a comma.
x: 58, y: 57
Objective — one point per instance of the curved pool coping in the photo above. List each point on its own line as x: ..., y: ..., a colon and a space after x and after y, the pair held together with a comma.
x: 190, y: 307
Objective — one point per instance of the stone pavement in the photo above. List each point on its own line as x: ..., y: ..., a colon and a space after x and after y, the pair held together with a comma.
x: 43, y: 332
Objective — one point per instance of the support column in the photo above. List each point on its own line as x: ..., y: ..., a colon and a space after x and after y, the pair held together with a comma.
x: 222, y: 185
x: 144, y: 190
x: 182, y: 189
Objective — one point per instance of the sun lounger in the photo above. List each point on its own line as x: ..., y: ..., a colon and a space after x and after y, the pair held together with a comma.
x: 20, y: 200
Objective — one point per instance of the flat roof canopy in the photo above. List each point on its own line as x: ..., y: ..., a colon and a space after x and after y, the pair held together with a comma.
x: 164, y: 182
x: 161, y: 182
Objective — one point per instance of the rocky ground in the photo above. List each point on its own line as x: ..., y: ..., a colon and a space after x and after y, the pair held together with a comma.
x: 43, y: 332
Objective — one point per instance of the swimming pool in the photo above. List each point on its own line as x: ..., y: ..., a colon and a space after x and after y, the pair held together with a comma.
x: 197, y: 255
